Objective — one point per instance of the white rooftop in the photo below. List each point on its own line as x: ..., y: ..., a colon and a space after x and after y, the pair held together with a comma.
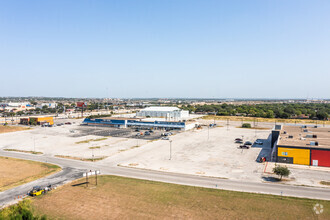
x: 161, y: 109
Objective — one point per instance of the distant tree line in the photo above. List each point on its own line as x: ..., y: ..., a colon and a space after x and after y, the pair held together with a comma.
x: 320, y: 111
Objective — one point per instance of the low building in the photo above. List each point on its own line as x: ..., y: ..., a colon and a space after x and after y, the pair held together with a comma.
x: 37, y: 120
x: 49, y: 105
x: 138, y: 123
x: 170, y: 113
x: 16, y: 106
x: 302, y: 145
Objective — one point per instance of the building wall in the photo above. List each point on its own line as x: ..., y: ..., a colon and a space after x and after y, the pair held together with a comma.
x: 293, y: 155
x: 322, y: 157
x: 50, y: 120
x: 165, y: 114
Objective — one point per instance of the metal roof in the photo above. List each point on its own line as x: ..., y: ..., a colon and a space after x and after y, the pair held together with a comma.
x: 161, y: 109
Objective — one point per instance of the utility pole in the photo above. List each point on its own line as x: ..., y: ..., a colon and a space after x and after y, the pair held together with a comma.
x: 208, y: 132
x: 96, y: 177
x: 34, y: 144
x: 170, y: 149
x: 87, y: 178
x: 255, y: 128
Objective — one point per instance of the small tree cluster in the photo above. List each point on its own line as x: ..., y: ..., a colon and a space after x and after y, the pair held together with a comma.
x: 281, y: 171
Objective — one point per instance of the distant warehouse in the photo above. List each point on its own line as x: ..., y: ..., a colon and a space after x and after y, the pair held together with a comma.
x: 171, y: 113
x: 301, y: 145
x: 137, y: 123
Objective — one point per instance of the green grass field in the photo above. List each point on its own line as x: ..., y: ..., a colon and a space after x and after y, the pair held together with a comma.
x: 126, y: 198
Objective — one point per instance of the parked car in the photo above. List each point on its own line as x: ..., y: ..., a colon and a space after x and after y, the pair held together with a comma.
x: 147, y: 133
x: 244, y: 147
x: 248, y: 143
x: 68, y: 123
x: 239, y: 141
x: 165, y: 138
x: 257, y: 142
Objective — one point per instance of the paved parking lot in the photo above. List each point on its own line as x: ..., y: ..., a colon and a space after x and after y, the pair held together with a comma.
x: 209, y: 152
x: 117, y: 132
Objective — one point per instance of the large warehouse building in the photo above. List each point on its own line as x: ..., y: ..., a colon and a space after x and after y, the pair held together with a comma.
x: 129, y: 122
x: 302, y: 145
x: 170, y: 113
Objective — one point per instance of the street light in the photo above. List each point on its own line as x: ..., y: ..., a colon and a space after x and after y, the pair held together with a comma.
x: 93, y: 153
x: 170, y: 149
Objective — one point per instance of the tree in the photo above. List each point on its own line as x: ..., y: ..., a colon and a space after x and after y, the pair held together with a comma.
x: 322, y: 115
x: 281, y: 171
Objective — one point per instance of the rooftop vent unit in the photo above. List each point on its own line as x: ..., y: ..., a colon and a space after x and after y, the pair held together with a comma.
x: 314, y: 143
x: 305, y: 130
x: 304, y: 126
x: 290, y: 136
x: 284, y: 132
x: 315, y: 126
x: 311, y: 136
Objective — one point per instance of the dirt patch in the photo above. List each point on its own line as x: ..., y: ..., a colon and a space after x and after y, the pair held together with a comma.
x: 279, y: 120
x: 126, y: 198
x: 89, y: 140
x: 81, y: 158
x: 24, y: 151
x: 256, y: 128
x: 14, y: 172
x: 326, y: 183
x: 6, y: 129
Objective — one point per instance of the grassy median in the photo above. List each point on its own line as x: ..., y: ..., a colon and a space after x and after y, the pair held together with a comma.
x: 126, y: 198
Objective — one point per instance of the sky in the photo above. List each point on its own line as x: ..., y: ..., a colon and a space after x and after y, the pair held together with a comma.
x: 165, y: 48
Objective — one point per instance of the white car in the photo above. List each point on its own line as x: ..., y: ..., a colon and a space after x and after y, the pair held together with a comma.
x: 258, y: 142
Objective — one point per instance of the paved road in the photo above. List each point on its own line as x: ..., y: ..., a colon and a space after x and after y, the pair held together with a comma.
x: 73, y: 169
x: 60, y: 178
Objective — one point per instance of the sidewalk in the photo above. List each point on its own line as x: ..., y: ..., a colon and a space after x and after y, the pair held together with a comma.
x: 268, y: 167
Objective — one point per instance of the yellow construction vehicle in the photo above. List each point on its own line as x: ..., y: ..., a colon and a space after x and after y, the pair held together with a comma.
x: 37, y: 191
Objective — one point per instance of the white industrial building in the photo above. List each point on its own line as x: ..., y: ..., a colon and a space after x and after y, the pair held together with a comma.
x: 170, y: 113
x: 49, y: 105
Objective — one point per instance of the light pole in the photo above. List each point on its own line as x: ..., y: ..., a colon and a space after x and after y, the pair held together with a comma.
x: 208, y: 132
x: 34, y: 144
x: 170, y: 149
x: 93, y: 153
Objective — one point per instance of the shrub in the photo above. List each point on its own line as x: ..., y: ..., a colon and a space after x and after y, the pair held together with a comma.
x: 246, y: 125
x: 22, y: 210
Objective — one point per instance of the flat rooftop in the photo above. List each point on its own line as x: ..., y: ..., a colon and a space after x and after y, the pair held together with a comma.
x: 161, y: 108
x: 299, y: 136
